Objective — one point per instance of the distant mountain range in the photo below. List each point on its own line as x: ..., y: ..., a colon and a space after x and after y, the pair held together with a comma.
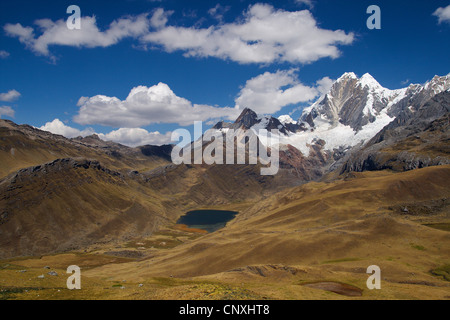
x: 352, y: 112
x: 348, y: 117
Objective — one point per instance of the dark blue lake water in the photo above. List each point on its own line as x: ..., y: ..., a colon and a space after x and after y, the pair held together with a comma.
x: 209, y: 220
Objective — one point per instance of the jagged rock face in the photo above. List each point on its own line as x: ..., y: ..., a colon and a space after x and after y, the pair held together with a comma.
x: 295, y: 127
x: 436, y: 107
x: 291, y: 125
x: 344, y: 98
x: 344, y: 103
x: 357, y: 102
x: 61, y: 165
x: 419, y: 139
x: 163, y: 151
x: 416, y: 96
x: 221, y: 125
x: 246, y: 120
x: 249, y: 119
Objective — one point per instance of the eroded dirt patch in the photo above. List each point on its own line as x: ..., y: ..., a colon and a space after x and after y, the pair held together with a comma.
x: 336, y: 287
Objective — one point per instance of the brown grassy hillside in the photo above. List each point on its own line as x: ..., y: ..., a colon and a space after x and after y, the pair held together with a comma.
x: 22, y: 146
x: 335, y: 228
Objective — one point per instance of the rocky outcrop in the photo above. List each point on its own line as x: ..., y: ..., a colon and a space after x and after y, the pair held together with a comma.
x: 163, y: 151
x: 412, y: 141
x: 247, y: 119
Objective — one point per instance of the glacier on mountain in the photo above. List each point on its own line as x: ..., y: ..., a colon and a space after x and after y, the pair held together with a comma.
x: 353, y: 111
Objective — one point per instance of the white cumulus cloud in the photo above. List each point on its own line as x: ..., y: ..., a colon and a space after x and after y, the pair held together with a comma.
x: 134, y: 137
x: 263, y: 35
x: 443, y: 14
x: 270, y: 92
x: 144, y: 106
x: 324, y: 85
x: 11, y: 95
x: 58, y: 127
x: 90, y: 36
x: 6, y: 111
x: 131, y: 137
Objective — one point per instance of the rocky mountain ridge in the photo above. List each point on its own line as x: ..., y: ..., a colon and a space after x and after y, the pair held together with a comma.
x: 348, y: 118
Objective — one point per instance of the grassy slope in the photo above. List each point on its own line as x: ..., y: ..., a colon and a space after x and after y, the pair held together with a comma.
x: 55, y: 208
x: 71, y: 208
x: 316, y: 232
x: 330, y: 231
x: 319, y: 231
x: 64, y: 205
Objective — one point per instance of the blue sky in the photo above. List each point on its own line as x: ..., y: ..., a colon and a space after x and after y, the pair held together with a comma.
x: 181, y: 61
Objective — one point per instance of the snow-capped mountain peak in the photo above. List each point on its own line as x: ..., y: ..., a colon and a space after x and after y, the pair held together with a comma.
x: 286, y: 119
x: 356, y: 109
x: 347, y: 76
x: 357, y: 102
x: 438, y: 84
x: 352, y: 112
x: 368, y: 81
